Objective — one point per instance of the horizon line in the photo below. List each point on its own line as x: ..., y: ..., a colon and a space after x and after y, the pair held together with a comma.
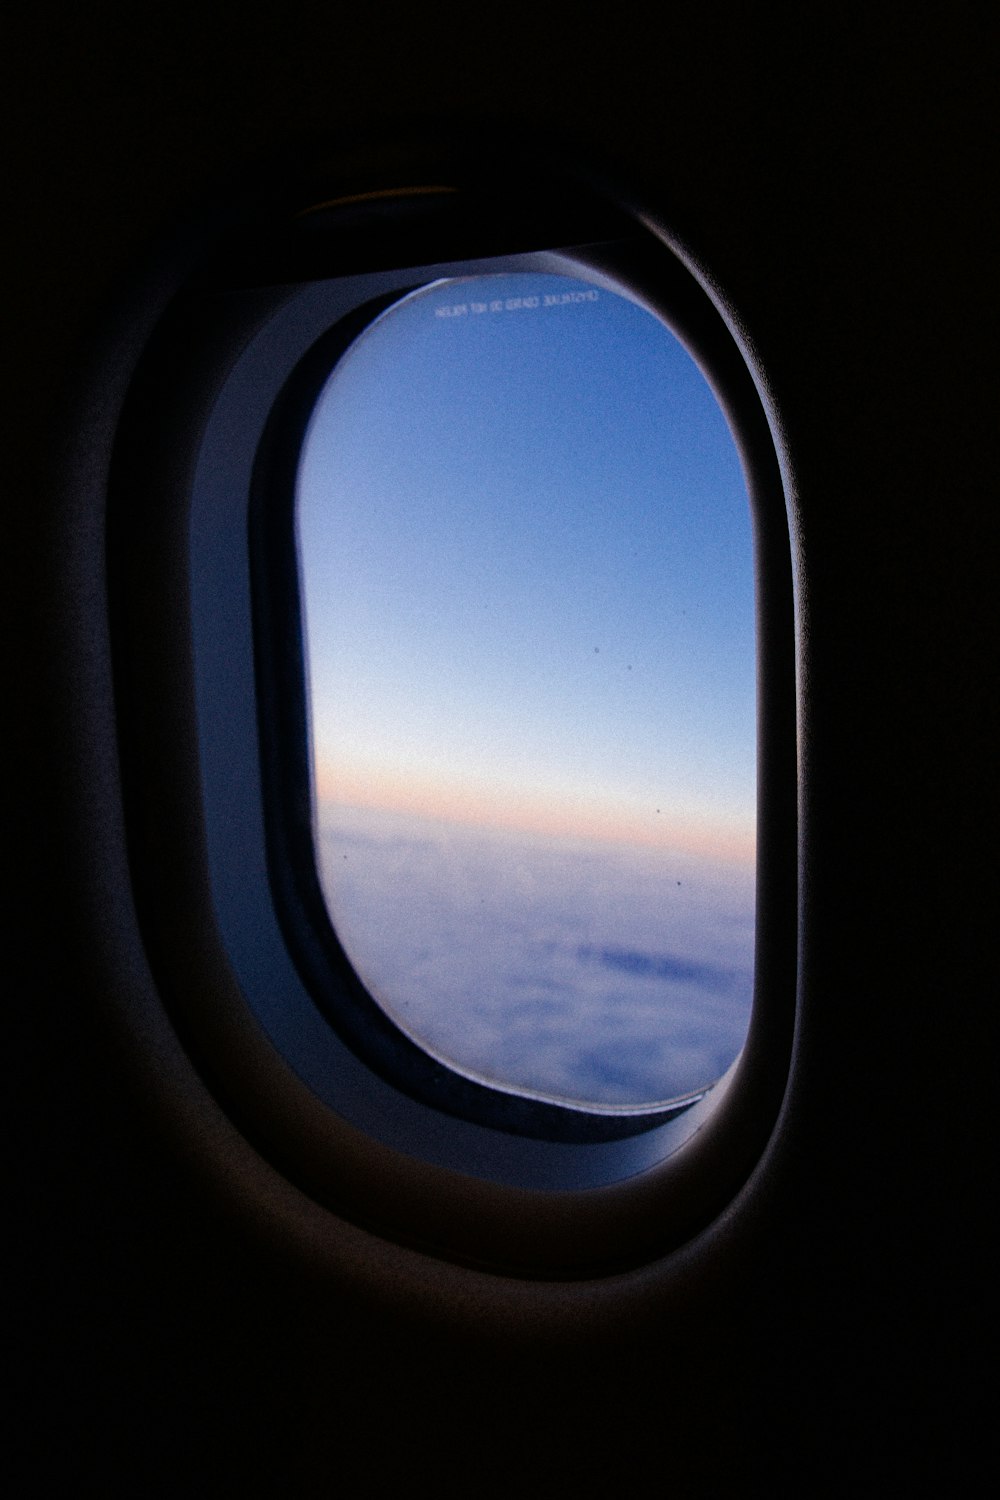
x: 551, y: 818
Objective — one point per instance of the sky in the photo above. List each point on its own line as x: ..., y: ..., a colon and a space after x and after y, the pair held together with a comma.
x: 527, y: 572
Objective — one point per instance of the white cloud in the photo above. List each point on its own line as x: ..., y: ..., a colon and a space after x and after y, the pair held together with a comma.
x: 593, y: 972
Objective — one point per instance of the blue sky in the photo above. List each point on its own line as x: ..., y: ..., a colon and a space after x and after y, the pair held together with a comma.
x: 527, y: 571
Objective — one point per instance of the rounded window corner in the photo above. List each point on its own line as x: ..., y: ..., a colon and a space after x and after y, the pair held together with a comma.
x: 207, y: 603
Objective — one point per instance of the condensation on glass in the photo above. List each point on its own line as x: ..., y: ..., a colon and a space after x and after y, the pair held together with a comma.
x: 528, y: 607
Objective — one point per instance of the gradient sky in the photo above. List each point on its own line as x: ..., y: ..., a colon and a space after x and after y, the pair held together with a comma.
x: 527, y: 571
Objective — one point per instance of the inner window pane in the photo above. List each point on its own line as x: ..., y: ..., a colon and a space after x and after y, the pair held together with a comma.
x: 528, y: 600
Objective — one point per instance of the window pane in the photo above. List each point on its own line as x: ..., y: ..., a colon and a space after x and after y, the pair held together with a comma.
x: 527, y: 582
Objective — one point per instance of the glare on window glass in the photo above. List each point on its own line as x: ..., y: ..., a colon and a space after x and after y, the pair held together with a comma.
x: 527, y: 587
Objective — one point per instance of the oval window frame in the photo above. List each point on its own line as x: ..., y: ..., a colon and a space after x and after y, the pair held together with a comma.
x: 191, y: 653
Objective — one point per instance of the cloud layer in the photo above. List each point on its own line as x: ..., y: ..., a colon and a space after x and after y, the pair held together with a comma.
x: 591, y: 972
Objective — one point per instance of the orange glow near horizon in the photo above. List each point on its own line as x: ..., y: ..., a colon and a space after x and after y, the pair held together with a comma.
x: 548, y: 816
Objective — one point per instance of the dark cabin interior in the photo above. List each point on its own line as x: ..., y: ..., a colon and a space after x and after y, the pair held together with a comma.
x: 185, y: 1321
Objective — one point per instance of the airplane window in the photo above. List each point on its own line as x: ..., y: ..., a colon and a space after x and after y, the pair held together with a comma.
x: 527, y: 598
x: 447, y: 548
